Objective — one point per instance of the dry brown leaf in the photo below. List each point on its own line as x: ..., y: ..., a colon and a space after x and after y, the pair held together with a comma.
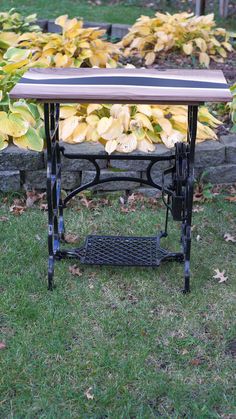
x: 197, y: 208
x: 231, y: 198
x: 75, y: 270
x: 229, y: 238
x: 71, y: 238
x: 17, y: 209
x: 3, y: 218
x: 195, y: 362
x: 88, y: 394
x: 43, y: 207
x: 2, y: 345
x: 220, y: 275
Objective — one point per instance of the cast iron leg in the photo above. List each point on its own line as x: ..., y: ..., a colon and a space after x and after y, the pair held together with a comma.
x: 55, y: 211
x: 188, y: 204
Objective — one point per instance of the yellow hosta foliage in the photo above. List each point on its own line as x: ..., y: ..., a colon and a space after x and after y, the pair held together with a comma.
x: 192, y: 35
x: 76, y: 46
x: 125, y: 128
x: 23, y: 124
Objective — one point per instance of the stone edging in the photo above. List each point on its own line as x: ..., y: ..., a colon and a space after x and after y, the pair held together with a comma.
x: 114, y: 31
x: 22, y: 169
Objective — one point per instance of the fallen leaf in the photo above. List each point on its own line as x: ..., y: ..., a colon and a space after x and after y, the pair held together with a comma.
x: 198, y: 209
x: 195, y: 362
x: 2, y: 345
x: 31, y: 198
x: 229, y: 238
x: 122, y: 200
x: 231, y: 198
x: 220, y: 275
x: 17, y: 209
x: 71, y: 238
x: 75, y: 270
x: 88, y: 394
x: 43, y: 207
x: 4, y: 218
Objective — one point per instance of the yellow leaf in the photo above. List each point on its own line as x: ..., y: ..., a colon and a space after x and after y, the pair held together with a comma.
x: 115, y: 110
x: 126, y: 143
x: 144, y: 121
x: 30, y: 140
x: 165, y: 125
x: 115, y: 130
x: 67, y: 126
x: 145, y: 146
x: 145, y: 109
x: 61, y: 20
x: 92, y: 120
x: 180, y: 122
x: 188, y: 48
x: 201, y: 43
x: 153, y: 137
x: 110, y: 146
x: 60, y: 60
x: 222, y: 52
x: 92, y: 134
x: 204, y: 59
x: 104, y: 124
x: 3, y: 141
x: 13, y: 125
x: 93, y: 107
x: 150, y: 58
x: 157, y: 113
x: 139, y: 133
x: 67, y: 110
x: 227, y: 46
x: 170, y: 140
x: 79, y: 134
x: 14, y: 66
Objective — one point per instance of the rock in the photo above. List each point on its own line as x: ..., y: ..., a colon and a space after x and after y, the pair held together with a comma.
x: 160, y: 150
x: 229, y: 141
x: 118, y: 31
x: 225, y: 173
x: 209, y: 153
x: 38, y: 179
x: 15, y: 158
x: 10, y: 181
x: 83, y: 149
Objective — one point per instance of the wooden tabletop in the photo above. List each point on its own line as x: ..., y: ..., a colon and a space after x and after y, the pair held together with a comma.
x: 94, y: 85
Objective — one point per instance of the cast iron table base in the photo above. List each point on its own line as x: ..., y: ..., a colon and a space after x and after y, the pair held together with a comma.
x: 115, y: 250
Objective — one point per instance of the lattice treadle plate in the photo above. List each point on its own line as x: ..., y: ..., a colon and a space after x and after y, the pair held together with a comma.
x: 124, y: 251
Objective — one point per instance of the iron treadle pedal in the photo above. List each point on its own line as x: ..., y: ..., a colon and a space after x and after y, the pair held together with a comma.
x: 124, y: 251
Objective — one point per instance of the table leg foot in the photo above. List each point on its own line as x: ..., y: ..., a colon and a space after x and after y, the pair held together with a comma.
x: 50, y: 273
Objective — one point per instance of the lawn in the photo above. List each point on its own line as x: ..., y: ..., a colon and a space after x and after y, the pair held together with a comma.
x: 109, y: 11
x: 117, y: 342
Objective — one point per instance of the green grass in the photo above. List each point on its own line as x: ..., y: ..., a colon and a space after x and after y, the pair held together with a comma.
x: 121, y: 12
x: 145, y: 349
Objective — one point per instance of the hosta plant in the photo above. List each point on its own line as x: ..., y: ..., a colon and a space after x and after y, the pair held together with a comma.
x: 11, y: 25
x: 233, y: 107
x: 75, y: 47
x: 125, y: 128
x: 13, y: 21
x: 22, y: 124
x: 185, y: 33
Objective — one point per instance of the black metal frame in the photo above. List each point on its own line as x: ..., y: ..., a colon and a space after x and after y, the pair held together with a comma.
x: 179, y: 201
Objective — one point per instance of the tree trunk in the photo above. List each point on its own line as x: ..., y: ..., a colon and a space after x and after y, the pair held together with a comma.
x: 223, y: 8
x: 200, y: 7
